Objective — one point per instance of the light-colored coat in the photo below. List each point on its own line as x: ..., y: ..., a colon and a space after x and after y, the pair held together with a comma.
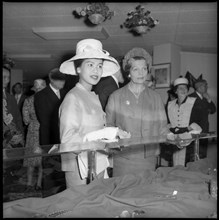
x: 80, y: 113
x: 142, y: 117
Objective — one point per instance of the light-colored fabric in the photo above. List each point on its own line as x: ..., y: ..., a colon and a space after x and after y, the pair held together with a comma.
x: 32, y: 144
x: 179, y: 116
x: 73, y: 178
x: 149, y: 191
x: 80, y: 113
x: 181, y: 81
x: 88, y: 49
x: 179, y: 157
x: 100, y: 162
x: 142, y: 117
x: 124, y: 165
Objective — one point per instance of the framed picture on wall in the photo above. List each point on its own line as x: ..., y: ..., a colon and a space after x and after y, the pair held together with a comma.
x: 161, y: 74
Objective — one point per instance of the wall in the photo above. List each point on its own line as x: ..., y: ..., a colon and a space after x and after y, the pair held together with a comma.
x: 205, y: 64
x: 16, y: 76
x: 167, y: 53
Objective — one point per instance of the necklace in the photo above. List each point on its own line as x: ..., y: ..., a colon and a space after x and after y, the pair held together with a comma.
x: 137, y: 91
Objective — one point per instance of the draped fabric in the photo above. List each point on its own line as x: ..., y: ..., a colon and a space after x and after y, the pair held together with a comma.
x: 150, y: 192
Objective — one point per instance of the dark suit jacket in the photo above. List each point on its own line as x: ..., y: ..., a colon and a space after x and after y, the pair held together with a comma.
x: 21, y: 102
x: 13, y: 109
x: 104, y: 88
x: 204, y: 108
x: 46, y: 105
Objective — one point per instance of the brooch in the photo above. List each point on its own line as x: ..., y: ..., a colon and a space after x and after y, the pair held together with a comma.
x: 127, y: 102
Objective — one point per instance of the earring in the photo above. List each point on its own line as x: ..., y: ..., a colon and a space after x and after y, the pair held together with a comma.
x: 129, y: 76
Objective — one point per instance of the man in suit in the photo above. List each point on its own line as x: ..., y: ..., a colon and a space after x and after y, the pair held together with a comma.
x: 17, y: 90
x: 206, y: 106
x: 18, y: 94
x: 46, y: 104
x: 107, y: 85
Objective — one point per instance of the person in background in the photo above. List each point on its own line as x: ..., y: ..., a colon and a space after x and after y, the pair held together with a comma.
x: 81, y: 112
x: 32, y: 139
x: 46, y: 103
x: 13, y: 135
x: 17, y: 90
x: 107, y: 85
x: 182, y: 117
x: 205, y: 106
x: 151, y: 82
x: 171, y: 96
x: 139, y: 110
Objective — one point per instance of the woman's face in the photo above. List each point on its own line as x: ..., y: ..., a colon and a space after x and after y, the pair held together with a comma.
x: 5, y: 77
x: 90, y: 71
x: 182, y: 91
x: 138, y: 71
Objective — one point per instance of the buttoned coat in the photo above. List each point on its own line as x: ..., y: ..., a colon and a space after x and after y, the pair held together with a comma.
x: 142, y: 117
x: 46, y: 105
x: 80, y: 113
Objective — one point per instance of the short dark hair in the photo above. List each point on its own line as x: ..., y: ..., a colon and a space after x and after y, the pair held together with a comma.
x: 77, y: 63
x: 55, y: 74
x: 18, y: 83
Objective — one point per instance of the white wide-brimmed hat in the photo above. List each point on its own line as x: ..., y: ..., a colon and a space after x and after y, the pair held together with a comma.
x: 91, y: 49
x: 181, y: 81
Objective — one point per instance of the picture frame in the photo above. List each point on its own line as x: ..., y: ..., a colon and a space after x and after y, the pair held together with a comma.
x: 161, y: 74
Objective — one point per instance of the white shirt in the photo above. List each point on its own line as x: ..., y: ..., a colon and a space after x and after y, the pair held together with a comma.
x: 201, y: 97
x: 17, y: 97
x: 116, y: 80
x: 56, y: 91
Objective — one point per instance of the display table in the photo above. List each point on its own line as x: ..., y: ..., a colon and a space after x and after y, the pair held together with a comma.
x: 16, y: 154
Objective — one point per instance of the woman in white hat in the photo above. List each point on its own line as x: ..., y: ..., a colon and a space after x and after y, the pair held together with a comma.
x: 32, y: 139
x: 139, y: 110
x: 81, y: 112
x: 182, y: 118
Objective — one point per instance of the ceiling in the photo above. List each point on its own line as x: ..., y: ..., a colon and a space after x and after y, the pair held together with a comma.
x: 39, y: 36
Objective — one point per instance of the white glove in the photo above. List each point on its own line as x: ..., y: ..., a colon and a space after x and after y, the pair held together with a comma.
x: 196, y: 129
x: 108, y: 133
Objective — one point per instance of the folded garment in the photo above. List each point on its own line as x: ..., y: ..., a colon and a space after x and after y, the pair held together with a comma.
x: 107, y: 133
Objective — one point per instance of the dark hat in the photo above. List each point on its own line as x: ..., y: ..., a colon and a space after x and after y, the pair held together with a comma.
x: 200, y: 82
x: 55, y: 74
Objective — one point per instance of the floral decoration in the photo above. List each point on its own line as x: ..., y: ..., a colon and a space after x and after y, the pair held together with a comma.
x: 140, y: 17
x: 7, y: 61
x: 95, y: 8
